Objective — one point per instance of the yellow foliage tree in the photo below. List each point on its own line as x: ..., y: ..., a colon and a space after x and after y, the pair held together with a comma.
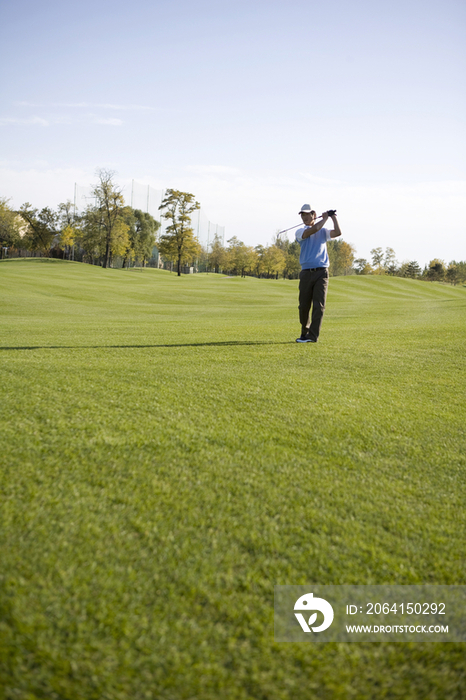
x: 273, y: 260
x: 120, y: 243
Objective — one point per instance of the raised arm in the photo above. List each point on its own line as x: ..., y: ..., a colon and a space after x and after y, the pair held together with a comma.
x: 336, y: 227
x: 311, y: 230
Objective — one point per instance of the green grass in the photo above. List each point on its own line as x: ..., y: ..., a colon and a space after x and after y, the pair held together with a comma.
x: 169, y: 454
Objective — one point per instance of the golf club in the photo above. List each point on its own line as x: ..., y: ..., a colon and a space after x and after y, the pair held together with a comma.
x: 330, y: 212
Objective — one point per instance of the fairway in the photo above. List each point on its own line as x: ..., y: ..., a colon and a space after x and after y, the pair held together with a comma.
x: 170, y: 453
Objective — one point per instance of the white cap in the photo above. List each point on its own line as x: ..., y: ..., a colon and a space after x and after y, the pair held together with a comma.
x: 305, y: 209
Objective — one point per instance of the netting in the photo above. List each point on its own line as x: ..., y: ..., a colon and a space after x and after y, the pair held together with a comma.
x: 148, y: 199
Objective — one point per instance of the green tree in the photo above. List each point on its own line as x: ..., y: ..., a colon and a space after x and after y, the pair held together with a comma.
x: 217, y: 255
x: 41, y: 227
x: 436, y: 270
x: 179, y: 242
x: 66, y: 214
x: 362, y: 267
x: 108, y: 211
x: 246, y: 259
x: 413, y: 269
x: 145, y: 235
x: 460, y: 270
x: 142, y: 233
x: 377, y: 260
x: 410, y: 269
x: 68, y: 227
x: 452, y: 274
x: 389, y: 262
x: 392, y: 269
x: 292, y: 264
x: 239, y: 258
x: 10, y: 226
x: 259, y: 267
x: 91, y: 236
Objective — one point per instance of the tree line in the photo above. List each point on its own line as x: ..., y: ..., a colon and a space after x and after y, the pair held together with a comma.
x: 109, y: 232
x: 385, y: 263
x: 105, y: 231
x: 281, y: 258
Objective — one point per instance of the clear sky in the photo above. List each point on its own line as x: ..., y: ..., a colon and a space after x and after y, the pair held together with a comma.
x: 254, y: 106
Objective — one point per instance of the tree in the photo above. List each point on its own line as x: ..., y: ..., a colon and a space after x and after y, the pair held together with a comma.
x: 377, y: 259
x: 109, y: 209
x: 203, y: 258
x: 66, y: 214
x: 346, y: 257
x: 68, y: 225
x: 392, y: 269
x: 341, y: 257
x: 67, y: 238
x: 259, y: 267
x: 436, y: 270
x: 452, y: 274
x: 292, y: 264
x: 413, y: 269
x: 273, y: 260
x: 121, y: 242
x: 410, y: 269
x: 92, y: 235
x: 179, y: 243
x: 146, y: 235
x: 362, y: 267
x: 10, y: 226
x: 389, y: 262
x: 170, y: 249
x: 217, y: 255
x: 249, y: 260
x: 460, y: 273
x: 142, y: 232
x: 41, y: 227
x: 239, y: 257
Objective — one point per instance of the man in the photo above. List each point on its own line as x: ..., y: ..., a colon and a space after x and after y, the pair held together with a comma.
x: 313, y: 278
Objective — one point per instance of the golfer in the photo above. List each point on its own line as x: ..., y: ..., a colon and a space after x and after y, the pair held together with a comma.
x: 313, y: 278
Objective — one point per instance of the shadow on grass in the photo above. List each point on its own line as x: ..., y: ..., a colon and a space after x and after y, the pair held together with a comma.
x: 224, y: 343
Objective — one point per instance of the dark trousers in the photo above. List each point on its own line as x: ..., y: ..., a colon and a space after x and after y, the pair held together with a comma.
x: 312, y: 292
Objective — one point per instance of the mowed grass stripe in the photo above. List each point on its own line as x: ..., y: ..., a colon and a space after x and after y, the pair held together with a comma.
x: 170, y: 454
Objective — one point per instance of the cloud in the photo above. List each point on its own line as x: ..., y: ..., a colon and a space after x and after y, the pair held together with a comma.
x: 85, y: 105
x: 315, y: 179
x: 60, y: 119
x: 213, y: 170
x: 35, y: 121
x: 109, y: 122
x: 112, y: 106
x: 40, y: 184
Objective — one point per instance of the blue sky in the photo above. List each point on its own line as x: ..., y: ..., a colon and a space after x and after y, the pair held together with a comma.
x: 256, y: 107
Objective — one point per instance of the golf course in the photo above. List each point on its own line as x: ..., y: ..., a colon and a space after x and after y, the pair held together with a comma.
x: 170, y: 454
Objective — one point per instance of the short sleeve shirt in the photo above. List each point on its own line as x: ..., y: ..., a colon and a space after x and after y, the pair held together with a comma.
x: 313, y: 249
